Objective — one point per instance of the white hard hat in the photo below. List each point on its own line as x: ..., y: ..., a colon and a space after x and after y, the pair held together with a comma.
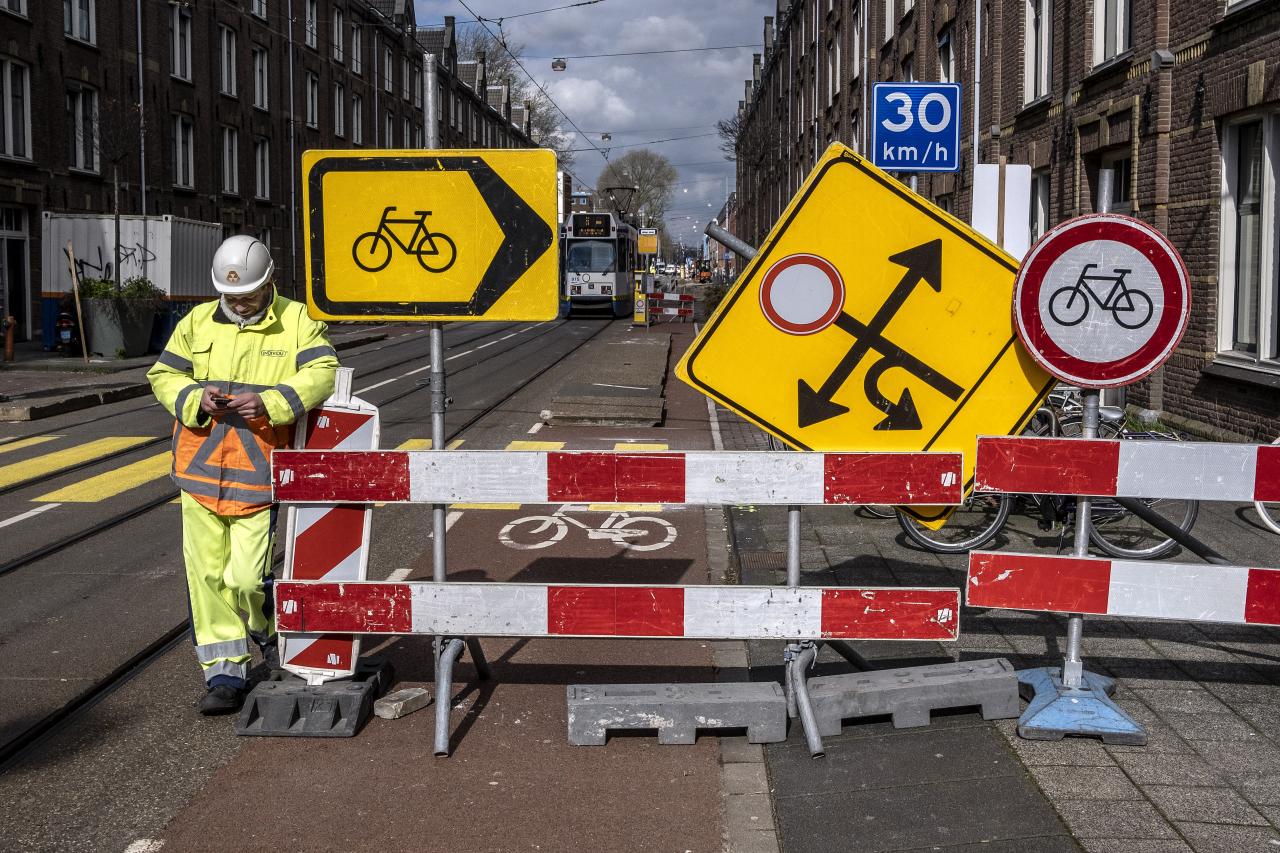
x: 241, y: 265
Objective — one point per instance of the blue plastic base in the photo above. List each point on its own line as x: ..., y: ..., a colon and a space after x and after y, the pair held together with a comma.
x: 1055, y: 710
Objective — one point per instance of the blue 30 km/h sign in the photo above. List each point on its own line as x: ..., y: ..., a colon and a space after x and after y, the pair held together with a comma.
x: 916, y: 127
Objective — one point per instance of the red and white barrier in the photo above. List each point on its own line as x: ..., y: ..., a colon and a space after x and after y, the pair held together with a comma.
x: 711, y: 477
x: 683, y: 306
x: 1141, y: 590
x: 328, y: 543
x: 564, y: 610
x: 1139, y: 469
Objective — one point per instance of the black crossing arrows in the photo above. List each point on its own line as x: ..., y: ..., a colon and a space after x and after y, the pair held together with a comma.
x: 923, y: 264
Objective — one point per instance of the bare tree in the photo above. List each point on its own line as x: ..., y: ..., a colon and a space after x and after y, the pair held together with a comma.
x: 653, y: 177
x: 501, y: 68
x: 116, y: 127
x: 730, y: 129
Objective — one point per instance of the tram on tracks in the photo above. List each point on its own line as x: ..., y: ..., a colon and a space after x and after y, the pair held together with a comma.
x: 598, y: 259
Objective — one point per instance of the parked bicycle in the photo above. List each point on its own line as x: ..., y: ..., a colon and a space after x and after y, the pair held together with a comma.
x: 1113, y: 529
x: 1129, y: 307
x: 635, y: 533
x: 434, y: 250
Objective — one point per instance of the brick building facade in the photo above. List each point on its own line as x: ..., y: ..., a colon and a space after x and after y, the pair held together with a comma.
x: 232, y: 95
x: 1179, y: 99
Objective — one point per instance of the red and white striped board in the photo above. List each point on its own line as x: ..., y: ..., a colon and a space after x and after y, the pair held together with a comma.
x: 1204, y: 471
x: 683, y: 306
x: 1132, y: 588
x: 578, y: 610
x: 698, y: 478
x: 328, y: 542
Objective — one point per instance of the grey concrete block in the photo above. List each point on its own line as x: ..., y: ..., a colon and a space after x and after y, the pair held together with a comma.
x: 284, y: 709
x: 910, y: 694
x: 403, y: 702
x: 677, y: 711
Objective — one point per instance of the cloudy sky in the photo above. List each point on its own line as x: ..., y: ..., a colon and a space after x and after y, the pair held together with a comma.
x: 638, y: 99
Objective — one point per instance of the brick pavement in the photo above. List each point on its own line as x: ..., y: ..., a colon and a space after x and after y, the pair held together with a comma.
x: 1208, y: 780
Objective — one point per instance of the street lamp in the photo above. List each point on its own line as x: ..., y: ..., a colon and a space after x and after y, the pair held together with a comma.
x: 558, y: 64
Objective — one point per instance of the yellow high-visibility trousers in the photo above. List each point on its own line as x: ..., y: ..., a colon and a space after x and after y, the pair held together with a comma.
x: 229, y: 579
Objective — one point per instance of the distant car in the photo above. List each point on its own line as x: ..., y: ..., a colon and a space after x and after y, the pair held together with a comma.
x: 669, y: 269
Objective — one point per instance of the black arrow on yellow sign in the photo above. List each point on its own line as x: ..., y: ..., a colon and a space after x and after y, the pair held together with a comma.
x: 924, y: 264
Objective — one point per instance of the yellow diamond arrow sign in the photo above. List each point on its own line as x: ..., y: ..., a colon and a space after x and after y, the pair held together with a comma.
x: 431, y: 235
x: 870, y: 320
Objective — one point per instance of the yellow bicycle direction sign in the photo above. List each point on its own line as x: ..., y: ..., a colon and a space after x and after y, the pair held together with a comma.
x: 870, y: 320
x: 431, y: 235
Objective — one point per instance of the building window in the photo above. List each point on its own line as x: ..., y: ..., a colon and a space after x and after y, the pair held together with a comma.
x: 1037, y: 54
x: 227, y: 54
x: 230, y: 160
x: 339, y: 34
x: 260, y: 99
x: 1038, y: 210
x: 313, y: 100
x: 311, y: 24
x: 946, y: 59
x: 946, y: 202
x: 889, y: 19
x: 183, y: 156
x: 357, y: 119
x: 339, y: 110
x: 79, y: 19
x: 82, y: 122
x: 1110, y: 29
x: 909, y: 69
x: 406, y: 80
x: 1121, y: 166
x: 259, y: 8
x: 17, y: 7
x: 15, y: 110
x: 262, y: 168
x: 180, y: 42
x: 406, y: 138
x: 356, y: 48
x: 417, y: 88
x: 1249, y: 316
x: 389, y: 132
x: 388, y: 68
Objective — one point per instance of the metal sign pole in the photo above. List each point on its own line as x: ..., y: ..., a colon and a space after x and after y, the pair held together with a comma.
x: 1072, y: 666
x: 447, y: 650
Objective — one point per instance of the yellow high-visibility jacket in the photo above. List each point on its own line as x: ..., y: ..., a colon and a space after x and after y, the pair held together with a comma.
x: 224, y: 461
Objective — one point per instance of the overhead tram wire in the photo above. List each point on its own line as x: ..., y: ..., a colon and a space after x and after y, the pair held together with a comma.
x: 520, y: 65
x: 498, y: 21
x: 651, y: 52
x: 653, y: 141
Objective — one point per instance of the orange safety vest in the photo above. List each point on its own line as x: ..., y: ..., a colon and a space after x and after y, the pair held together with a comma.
x: 226, y: 465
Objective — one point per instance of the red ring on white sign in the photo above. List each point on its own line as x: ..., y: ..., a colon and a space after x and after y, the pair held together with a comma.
x: 807, y: 299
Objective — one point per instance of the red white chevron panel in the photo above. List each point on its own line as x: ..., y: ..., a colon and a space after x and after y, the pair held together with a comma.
x: 1136, y: 589
x: 1204, y: 471
x: 710, y: 477
x: 577, y: 610
x: 329, y: 542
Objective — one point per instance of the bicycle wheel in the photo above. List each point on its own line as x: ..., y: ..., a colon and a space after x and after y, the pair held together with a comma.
x: 371, y: 251
x: 645, y: 533
x: 1138, y: 312
x: 442, y: 258
x: 1071, y: 311
x: 1270, y: 514
x: 533, y: 532
x: 1072, y: 426
x: 973, y: 524
x: 879, y: 510
x: 1122, y: 534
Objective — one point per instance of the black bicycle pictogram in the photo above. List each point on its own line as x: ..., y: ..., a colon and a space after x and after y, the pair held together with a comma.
x: 1129, y: 307
x: 434, y: 250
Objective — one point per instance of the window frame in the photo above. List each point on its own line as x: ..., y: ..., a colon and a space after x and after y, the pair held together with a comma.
x: 78, y: 92
x: 312, y: 97
x: 260, y: 63
x: 1123, y: 32
x: 228, y: 84
x: 946, y: 55
x: 389, y: 130
x: 1037, y: 80
x: 72, y: 28
x: 183, y: 129
x: 388, y: 71
x: 1266, y: 357
x: 258, y: 8
x: 337, y: 33
x: 1038, y: 207
x: 21, y: 11
x: 262, y: 168
x: 230, y: 145
x: 339, y: 110
x: 180, y: 66
x: 357, y: 119
x: 357, y: 45
x: 311, y: 24
x: 1121, y: 186
x: 7, y: 124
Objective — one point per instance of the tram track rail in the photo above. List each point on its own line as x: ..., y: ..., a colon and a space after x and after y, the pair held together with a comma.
x: 15, y: 747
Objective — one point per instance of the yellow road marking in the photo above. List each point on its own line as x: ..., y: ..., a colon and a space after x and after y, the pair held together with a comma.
x: 53, y: 462
x: 624, y: 446
x: 19, y: 443
x: 415, y: 444
x: 112, y: 483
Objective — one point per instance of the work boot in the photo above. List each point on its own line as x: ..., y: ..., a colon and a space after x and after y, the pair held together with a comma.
x: 271, y: 656
x: 222, y: 699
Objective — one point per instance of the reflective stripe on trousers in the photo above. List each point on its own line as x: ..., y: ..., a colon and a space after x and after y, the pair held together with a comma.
x: 228, y: 561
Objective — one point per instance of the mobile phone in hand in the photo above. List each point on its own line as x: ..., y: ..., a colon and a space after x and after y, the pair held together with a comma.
x: 220, y: 400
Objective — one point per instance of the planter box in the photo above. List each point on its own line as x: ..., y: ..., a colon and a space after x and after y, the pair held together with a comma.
x: 118, y: 327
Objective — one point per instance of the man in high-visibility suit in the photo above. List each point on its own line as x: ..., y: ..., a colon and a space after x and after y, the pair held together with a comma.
x: 236, y: 375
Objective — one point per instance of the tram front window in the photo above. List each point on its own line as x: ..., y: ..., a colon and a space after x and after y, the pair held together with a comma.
x: 591, y: 256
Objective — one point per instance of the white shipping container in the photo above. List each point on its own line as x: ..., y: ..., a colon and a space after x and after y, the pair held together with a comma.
x: 174, y: 253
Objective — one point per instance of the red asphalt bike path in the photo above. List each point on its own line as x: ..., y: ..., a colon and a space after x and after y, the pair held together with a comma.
x: 513, y: 781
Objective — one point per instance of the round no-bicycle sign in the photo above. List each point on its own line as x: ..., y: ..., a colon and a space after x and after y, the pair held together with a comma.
x: 1102, y: 300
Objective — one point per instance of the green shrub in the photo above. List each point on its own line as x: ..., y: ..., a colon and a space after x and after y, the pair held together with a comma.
x: 131, y: 288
